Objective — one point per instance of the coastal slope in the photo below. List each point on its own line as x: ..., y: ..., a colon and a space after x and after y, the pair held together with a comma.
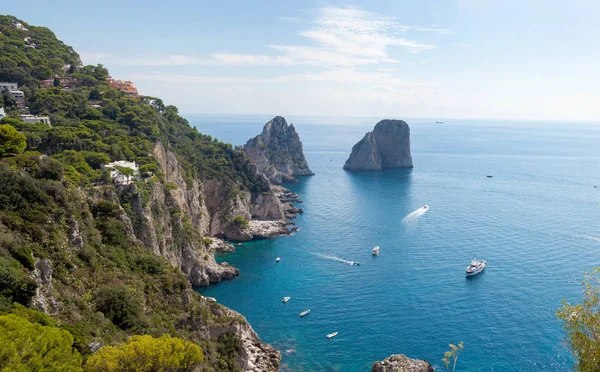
x: 386, y: 147
x: 401, y: 363
x: 277, y: 152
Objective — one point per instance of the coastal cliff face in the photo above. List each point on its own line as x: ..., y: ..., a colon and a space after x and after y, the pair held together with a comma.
x: 401, y: 363
x: 277, y: 152
x: 386, y: 147
x: 172, y: 221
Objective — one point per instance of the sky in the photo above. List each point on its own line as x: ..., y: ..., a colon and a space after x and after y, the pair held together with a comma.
x: 481, y: 59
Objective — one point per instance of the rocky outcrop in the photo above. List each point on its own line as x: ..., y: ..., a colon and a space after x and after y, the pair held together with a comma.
x: 254, y: 356
x: 401, y: 363
x: 277, y: 152
x: 43, y: 299
x: 386, y: 147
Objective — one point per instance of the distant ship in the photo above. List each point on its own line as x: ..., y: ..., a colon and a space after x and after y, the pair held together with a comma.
x: 439, y: 122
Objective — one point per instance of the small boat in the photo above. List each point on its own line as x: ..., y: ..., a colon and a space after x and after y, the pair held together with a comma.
x: 475, y: 267
x: 488, y: 176
x: 426, y: 207
x: 376, y: 250
x: 277, y: 259
x: 356, y: 263
x: 332, y: 335
x: 305, y: 312
x: 439, y: 122
x: 286, y: 299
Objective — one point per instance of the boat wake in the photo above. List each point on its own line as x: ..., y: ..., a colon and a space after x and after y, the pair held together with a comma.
x: 412, y: 219
x: 333, y: 258
x: 589, y: 237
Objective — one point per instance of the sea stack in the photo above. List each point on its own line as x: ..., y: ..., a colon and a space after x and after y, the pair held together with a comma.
x: 386, y: 147
x: 277, y: 152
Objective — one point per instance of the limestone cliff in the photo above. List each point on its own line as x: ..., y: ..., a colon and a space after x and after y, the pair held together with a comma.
x: 401, y: 363
x: 277, y: 152
x: 386, y: 147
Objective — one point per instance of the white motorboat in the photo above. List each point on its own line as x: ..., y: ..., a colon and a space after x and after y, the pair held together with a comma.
x: 331, y: 335
x: 277, y: 259
x: 286, y: 299
x: 426, y: 207
x: 305, y: 312
x: 475, y: 267
x: 376, y: 250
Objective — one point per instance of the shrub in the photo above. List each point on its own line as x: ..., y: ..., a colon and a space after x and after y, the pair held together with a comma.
x: 146, y: 353
x: 120, y: 306
x: 240, y: 222
x: 28, y: 346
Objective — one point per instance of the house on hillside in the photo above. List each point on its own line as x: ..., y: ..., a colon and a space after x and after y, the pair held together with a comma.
x: 47, y: 83
x: 124, y: 86
x: 2, y: 114
x: 19, y: 26
x: 17, y: 94
x: 119, y: 173
x: 33, y: 119
x: 8, y: 86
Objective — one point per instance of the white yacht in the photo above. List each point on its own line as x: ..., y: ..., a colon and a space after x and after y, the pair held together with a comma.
x: 475, y: 267
x: 426, y: 207
x: 376, y: 250
x: 331, y: 335
x: 286, y: 299
x: 305, y: 312
x: 277, y: 259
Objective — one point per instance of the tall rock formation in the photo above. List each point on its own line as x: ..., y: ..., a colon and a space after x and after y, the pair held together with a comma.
x: 401, y: 363
x: 386, y: 147
x: 277, y: 152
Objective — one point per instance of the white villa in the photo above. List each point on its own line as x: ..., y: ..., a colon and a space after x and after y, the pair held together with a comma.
x: 117, y: 177
x: 8, y: 86
x: 2, y: 114
x: 17, y: 94
x: 35, y: 119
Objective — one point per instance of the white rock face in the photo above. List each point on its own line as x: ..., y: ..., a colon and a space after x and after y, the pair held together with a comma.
x: 386, y: 147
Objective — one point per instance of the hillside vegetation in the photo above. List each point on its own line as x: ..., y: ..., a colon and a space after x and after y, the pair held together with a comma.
x: 67, y: 250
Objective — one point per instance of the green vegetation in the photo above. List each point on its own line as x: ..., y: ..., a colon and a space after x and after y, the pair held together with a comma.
x: 58, y: 203
x: 30, y: 346
x: 146, y: 353
x: 582, y: 324
x: 240, y: 222
x: 451, y: 357
x: 12, y: 142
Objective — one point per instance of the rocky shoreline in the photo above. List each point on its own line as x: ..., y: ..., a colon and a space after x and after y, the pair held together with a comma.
x: 401, y: 363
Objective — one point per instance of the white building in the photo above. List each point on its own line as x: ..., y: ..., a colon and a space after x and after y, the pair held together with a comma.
x: 18, y: 94
x: 2, y: 114
x: 9, y: 86
x: 19, y: 26
x: 117, y: 177
x: 35, y: 119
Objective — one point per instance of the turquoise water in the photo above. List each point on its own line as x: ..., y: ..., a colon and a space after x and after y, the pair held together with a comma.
x: 536, y: 222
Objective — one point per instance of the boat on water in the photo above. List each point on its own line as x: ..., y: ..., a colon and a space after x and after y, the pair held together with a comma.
x: 439, y: 122
x: 356, y: 263
x: 488, y: 176
x: 331, y: 335
x: 286, y: 299
x: 426, y: 207
x: 277, y: 259
x: 376, y: 250
x: 475, y: 267
x: 305, y: 312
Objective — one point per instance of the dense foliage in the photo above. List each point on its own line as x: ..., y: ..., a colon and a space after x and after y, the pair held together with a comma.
x: 582, y: 324
x: 30, y: 346
x: 146, y: 353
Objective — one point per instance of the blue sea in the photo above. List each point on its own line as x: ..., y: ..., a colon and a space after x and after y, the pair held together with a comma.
x: 536, y: 222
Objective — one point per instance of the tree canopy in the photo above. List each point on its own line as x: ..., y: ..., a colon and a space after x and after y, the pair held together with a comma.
x: 12, y: 142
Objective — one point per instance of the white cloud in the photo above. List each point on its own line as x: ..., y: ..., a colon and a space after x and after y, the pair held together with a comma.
x: 339, y: 36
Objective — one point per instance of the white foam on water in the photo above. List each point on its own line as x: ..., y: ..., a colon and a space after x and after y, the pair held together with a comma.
x: 412, y: 219
x: 589, y: 237
x: 333, y: 258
